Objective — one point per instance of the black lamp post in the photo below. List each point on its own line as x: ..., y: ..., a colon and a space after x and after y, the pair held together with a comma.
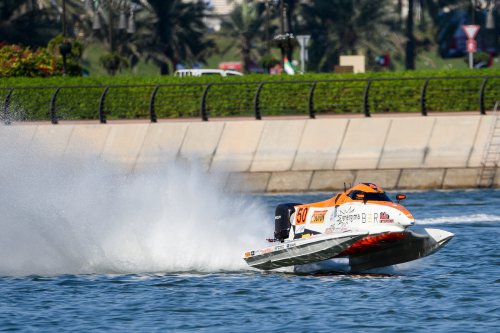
x: 65, y: 46
x: 284, y: 29
x: 285, y: 40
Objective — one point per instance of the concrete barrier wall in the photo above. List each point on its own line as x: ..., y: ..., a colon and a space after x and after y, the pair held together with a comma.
x: 451, y: 141
x: 124, y: 143
x: 278, y: 145
x: 200, y: 142
x: 18, y: 137
x: 320, y: 144
x: 407, y: 143
x: 86, y: 141
x: 482, y: 137
x: 284, y: 155
x: 161, y: 145
x: 237, y: 146
x: 51, y: 140
x: 363, y: 143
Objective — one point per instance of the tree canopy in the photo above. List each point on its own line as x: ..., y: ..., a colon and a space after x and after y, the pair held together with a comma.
x: 173, y: 32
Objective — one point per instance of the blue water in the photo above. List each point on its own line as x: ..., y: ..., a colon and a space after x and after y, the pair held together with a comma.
x: 454, y: 290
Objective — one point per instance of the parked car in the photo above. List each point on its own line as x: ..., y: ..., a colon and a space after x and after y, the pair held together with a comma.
x: 204, y: 72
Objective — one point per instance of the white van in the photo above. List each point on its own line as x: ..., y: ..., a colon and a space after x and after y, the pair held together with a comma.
x: 204, y: 72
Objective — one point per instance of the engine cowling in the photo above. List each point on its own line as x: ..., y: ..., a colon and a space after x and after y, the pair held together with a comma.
x: 282, y: 222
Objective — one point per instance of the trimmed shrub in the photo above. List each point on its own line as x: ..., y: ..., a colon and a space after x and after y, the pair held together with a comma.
x: 130, y: 97
x: 18, y: 61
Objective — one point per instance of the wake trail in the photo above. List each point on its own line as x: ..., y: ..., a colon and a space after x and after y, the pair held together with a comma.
x: 461, y: 219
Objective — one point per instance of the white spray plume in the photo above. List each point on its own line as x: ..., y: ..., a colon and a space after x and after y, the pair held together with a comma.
x: 66, y: 216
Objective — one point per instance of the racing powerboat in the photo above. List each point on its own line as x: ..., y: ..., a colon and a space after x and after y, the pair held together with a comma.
x: 361, y: 226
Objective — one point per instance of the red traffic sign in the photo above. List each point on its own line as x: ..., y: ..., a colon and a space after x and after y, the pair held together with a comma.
x: 471, y: 45
x: 470, y: 30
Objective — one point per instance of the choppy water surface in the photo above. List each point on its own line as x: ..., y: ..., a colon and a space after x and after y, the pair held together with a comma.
x: 83, y: 249
x: 456, y: 289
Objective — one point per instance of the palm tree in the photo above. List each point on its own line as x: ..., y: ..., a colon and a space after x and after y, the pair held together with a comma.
x: 28, y: 22
x: 126, y: 27
x: 245, y: 25
x: 346, y: 27
x: 180, y: 33
x: 413, y: 43
x: 36, y: 22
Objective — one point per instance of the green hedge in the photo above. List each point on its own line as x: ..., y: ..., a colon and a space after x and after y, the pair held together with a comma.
x: 129, y: 97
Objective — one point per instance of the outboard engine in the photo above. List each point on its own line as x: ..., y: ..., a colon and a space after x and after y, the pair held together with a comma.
x: 282, y: 222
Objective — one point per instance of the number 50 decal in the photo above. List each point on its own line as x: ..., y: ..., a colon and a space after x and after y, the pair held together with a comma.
x: 301, y: 216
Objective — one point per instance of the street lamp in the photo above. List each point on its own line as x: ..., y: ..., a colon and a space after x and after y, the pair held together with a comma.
x: 284, y: 28
x: 106, y: 9
x: 285, y: 40
x: 112, y: 6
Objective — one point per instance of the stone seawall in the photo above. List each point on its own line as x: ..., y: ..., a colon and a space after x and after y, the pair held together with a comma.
x: 410, y: 152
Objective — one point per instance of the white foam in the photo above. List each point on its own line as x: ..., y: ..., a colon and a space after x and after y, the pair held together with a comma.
x: 63, y: 216
x: 474, y: 218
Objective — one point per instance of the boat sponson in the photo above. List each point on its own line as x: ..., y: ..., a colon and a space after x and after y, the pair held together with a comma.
x: 411, y: 247
x: 303, y: 252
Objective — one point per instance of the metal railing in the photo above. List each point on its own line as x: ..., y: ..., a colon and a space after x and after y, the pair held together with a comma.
x: 257, y: 99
